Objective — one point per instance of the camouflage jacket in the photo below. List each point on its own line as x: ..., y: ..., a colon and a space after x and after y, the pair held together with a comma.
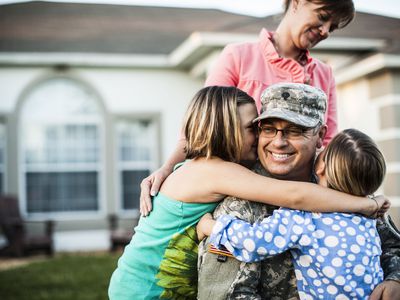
x: 272, y: 278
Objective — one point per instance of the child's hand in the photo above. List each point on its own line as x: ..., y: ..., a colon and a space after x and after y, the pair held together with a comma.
x: 383, y: 205
x: 204, y: 227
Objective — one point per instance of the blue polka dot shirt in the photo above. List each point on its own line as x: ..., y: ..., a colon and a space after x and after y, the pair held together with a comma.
x: 335, y: 255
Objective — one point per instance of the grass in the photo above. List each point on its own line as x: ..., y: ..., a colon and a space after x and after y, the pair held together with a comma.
x: 67, y: 276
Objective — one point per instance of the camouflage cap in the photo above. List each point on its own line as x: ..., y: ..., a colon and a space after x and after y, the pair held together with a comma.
x: 297, y: 103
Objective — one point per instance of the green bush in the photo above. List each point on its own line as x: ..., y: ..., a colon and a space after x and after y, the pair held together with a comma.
x: 67, y: 276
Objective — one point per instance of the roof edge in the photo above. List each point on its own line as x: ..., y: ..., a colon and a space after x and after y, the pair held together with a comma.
x: 83, y: 59
x: 367, y: 66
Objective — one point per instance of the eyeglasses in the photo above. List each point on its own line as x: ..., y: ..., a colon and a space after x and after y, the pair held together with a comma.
x: 291, y: 132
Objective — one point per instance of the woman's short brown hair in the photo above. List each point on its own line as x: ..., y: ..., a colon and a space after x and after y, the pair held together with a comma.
x: 212, y: 126
x: 354, y: 163
x: 342, y: 11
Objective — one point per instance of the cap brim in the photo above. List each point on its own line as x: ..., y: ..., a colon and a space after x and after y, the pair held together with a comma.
x: 289, y: 116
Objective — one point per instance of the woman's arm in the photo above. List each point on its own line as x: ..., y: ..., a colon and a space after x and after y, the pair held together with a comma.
x: 227, y: 178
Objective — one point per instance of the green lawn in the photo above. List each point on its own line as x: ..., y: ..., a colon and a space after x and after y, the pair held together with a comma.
x: 66, y: 276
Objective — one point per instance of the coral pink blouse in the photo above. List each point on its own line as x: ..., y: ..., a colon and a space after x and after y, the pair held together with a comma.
x: 254, y: 66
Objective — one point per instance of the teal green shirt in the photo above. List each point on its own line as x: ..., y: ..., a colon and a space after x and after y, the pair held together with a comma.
x: 161, y: 259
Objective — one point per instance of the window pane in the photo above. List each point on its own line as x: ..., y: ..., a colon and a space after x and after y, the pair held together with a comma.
x: 57, y: 98
x: 135, y: 140
x: 56, y: 192
x: 131, y: 187
x: 65, y: 143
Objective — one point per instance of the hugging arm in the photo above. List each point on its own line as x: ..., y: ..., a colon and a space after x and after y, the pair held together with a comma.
x: 254, y: 242
x: 232, y: 179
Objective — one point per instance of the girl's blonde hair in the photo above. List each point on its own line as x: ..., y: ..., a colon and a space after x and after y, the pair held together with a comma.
x: 354, y: 164
x: 212, y: 125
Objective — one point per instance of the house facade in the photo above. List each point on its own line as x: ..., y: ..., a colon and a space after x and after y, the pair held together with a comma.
x: 92, y: 98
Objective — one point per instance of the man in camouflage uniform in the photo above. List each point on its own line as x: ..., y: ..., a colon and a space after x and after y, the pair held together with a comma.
x: 222, y: 277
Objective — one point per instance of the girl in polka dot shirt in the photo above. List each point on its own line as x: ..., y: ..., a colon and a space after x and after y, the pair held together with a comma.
x: 335, y: 255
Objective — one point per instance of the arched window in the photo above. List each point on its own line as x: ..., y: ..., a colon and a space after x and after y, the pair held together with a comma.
x: 61, y: 161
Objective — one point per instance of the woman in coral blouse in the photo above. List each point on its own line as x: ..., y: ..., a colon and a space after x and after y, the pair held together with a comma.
x: 279, y: 56
x: 282, y: 55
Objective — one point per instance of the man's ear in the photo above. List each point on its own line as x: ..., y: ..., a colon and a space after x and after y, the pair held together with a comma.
x: 294, y: 4
x: 321, y: 135
x: 320, y: 168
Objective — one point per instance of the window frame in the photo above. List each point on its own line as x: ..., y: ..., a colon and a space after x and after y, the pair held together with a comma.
x: 101, y: 164
x: 3, y: 122
x: 118, y: 169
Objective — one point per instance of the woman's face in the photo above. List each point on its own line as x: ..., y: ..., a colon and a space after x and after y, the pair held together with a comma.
x: 310, y: 24
x: 247, y: 113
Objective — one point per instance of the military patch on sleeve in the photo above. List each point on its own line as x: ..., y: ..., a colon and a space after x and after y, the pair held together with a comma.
x: 222, y: 251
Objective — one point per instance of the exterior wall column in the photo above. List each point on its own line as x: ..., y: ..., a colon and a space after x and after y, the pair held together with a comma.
x: 385, y: 94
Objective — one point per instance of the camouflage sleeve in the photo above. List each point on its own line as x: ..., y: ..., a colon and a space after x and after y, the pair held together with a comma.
x: 278, y: 280
x: 230, y: 279
x: 241, y: 209
x: 390, y: 239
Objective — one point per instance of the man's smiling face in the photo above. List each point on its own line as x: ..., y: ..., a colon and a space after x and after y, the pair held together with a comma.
x: 289, y: 158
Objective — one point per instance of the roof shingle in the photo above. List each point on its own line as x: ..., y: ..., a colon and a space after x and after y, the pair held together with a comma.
x: 101, y: 28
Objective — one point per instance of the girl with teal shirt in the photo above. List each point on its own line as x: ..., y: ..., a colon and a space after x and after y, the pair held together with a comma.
x: 160, y: 261
x: 148, y: 268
